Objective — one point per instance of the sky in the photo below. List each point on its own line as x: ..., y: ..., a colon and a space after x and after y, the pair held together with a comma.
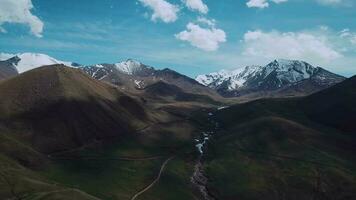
x: 190, y: 36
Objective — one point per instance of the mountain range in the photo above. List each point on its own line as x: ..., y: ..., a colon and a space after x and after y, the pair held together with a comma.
x: 129, y: 131
x: 279, y: 78
x: 133, y: 76
x: 129, y: 75
x: 283, y: 77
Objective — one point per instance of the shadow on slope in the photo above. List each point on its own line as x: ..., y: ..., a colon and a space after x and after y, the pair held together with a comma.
x: 59, y: 108
x: 165, y: 91
x: 301, y: 148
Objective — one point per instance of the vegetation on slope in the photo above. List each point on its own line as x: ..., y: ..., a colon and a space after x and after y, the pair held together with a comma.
x: 286, y: 148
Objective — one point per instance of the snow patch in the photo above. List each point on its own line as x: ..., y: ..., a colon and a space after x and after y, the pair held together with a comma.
x: 139, y: 84
x: 29, y: 61
x: 129, y: 67
x: 287, y: 72
x: 6, y: 56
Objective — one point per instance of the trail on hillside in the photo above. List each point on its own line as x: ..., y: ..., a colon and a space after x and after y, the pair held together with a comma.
x: 154, y: 181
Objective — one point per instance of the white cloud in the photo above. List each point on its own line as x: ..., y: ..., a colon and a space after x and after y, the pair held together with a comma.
x: 2, y: 30
x: 329, y: 2
x: 345, y: 33
x: 207, y: 39
x: 289, y: 45
x: 162, y: 9
x: 257, y: 4
x: 262, y: 3
x: 266, y: 3
x: 19, y: 11
x: 348, y: 35
x: 197, y: 5
x: 204, y: 20
x: 353, y: 40
x: 279, y: 1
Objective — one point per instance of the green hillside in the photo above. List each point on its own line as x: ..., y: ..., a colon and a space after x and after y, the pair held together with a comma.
x: 286, y: 148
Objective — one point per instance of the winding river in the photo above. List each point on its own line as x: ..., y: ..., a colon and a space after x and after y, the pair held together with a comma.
x: 198, y: 179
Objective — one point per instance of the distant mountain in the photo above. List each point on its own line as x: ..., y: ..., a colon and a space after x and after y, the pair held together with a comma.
x: 278, y: 78
x: 285, y: 77
x: 130, y: 75
x: 133, y: 76
x: 115, y: 72
x: 6, y: 56
x: 8, y: 69
x: 26, y: 61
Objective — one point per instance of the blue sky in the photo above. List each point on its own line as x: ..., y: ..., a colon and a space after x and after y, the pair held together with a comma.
x: 215, y: 35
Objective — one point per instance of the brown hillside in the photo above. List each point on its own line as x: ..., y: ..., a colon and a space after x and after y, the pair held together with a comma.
x: 61, y: 108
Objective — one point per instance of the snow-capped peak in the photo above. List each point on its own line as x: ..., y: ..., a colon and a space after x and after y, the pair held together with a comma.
x: 290, y: 70
x: 285, y: 72
x: 236, y: 78
x: 6, y: 56
x: 129, y: 66
x: 208, y: 79
x: 28, y: 61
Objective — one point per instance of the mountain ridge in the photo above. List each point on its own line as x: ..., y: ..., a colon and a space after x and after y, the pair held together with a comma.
x: 134, y: 76
x: 278, y: 75
x: 28, y: 61
x: 279, y: 78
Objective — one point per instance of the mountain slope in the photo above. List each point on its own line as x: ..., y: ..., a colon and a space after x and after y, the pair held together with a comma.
x: 295, y: 148
x: 65, y: 135
x: 169, y: 92
x: 283, y: 77
x: 334, y: 106
x: 133, y: 76
x: 7, y: 69
x: 62, y: 108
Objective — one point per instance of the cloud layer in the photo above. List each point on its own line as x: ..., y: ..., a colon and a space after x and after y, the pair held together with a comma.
x: 348, y: 35
x: 162, y: 10
x: 197, y: 5
x: 262, y: 3
x: 289, y: 45
x: 329, y: 2
x: 207, y: 39
x: 19, y: 11
x: 266, y: 3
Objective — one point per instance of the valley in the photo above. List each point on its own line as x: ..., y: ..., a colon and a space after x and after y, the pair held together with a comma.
x: 129, y: 131
x: 177, y: 100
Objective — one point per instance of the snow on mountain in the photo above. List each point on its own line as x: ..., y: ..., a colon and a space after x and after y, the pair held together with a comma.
x: 129, y: 66
x: 7, y: 69
x: 6, y: 56
x: 290, y: 71
x: 125, y: 68
x: 209, y: 79
x: 28, y: 61
x: 235, y: 78
x: 240, y: 76
x: 277, y: 74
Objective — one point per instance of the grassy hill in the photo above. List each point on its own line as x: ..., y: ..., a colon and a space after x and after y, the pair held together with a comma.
x: 64, y: 135
x: 57, y: 108
x: 286, y: 148
x: 334, y: 107
x: 168, y: 92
